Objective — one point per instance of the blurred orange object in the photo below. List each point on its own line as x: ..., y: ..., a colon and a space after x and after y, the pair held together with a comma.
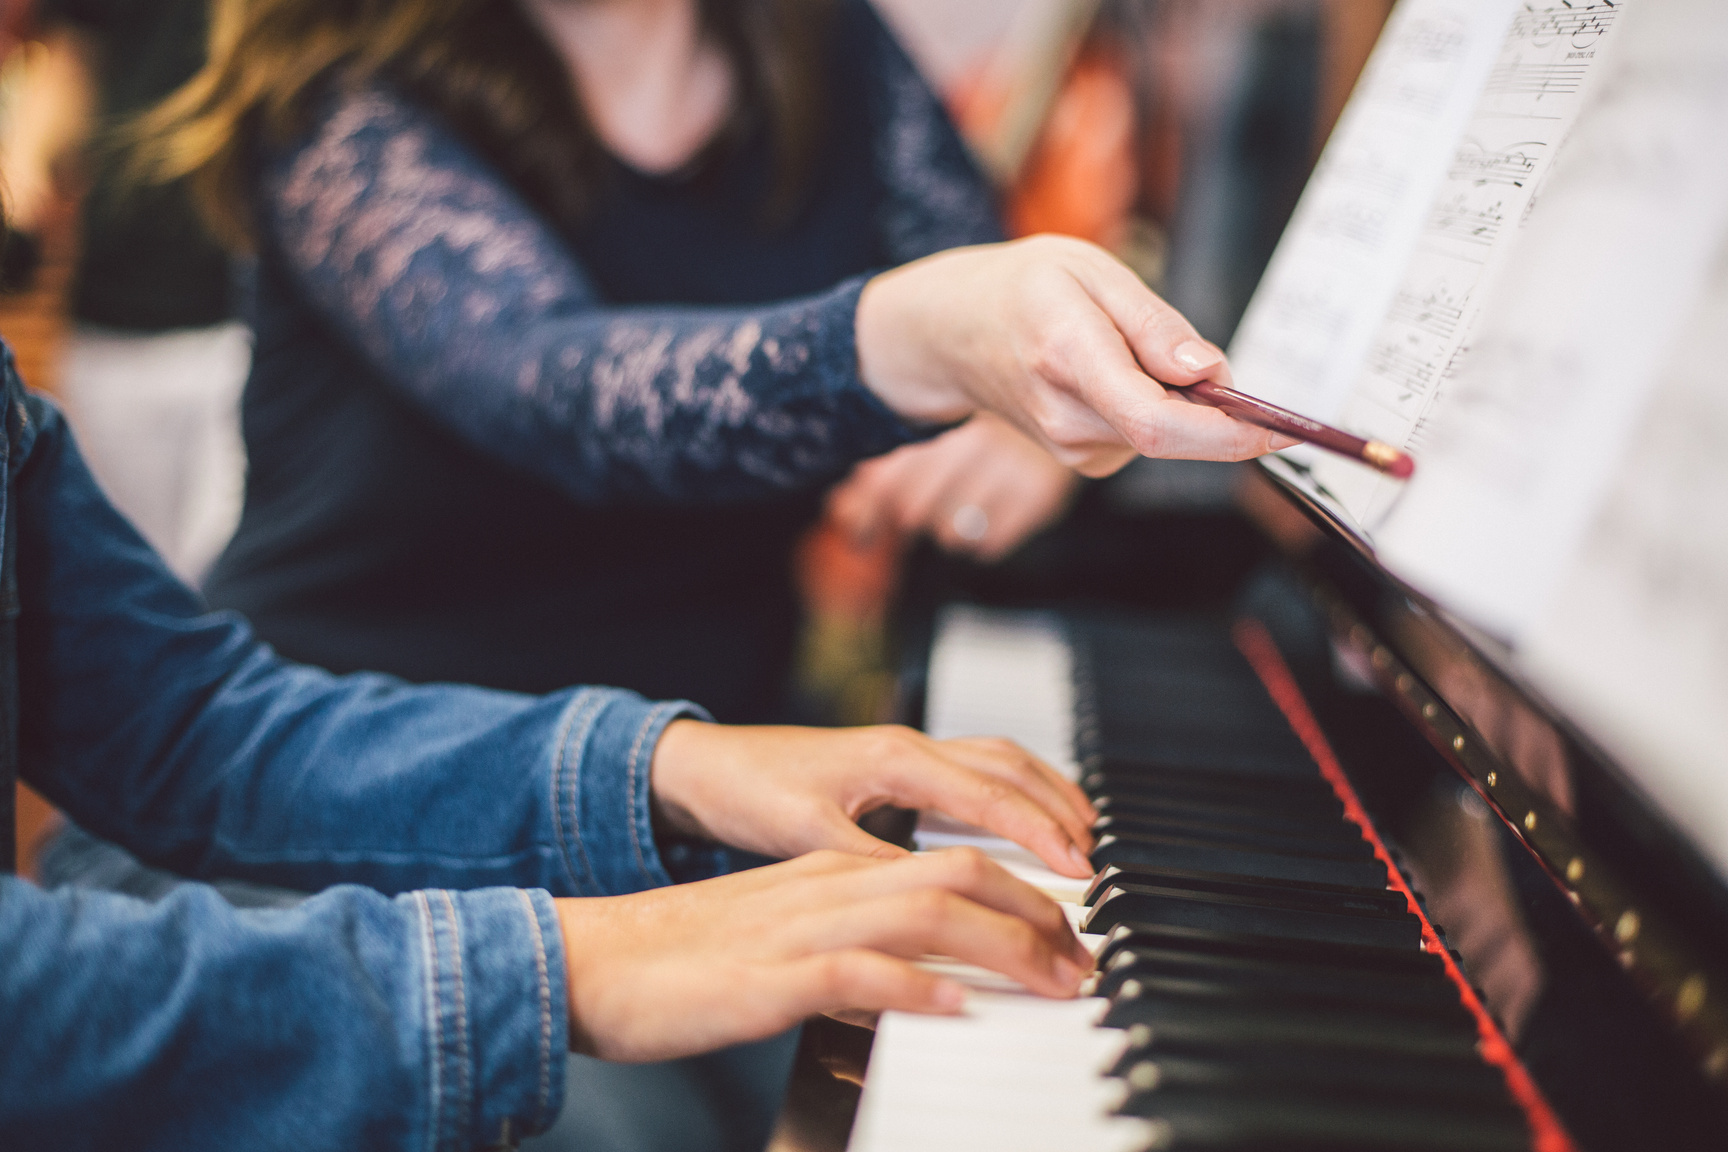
x: 1081, y: 178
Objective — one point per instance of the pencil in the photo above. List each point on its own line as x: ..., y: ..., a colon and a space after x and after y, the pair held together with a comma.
x: 1247, y: 408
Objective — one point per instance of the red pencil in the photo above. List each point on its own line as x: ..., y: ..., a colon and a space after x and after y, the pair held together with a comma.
x: 1245, y: 407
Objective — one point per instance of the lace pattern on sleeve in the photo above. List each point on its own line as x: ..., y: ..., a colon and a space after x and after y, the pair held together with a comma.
x: 459, y: 295
x: 934, y: 196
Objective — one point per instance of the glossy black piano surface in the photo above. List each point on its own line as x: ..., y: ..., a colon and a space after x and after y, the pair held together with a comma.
x: 1271, y: 982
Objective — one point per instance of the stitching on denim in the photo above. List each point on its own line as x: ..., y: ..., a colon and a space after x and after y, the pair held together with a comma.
x: 435, y: 1086
x: 571, y: 713
x: 465, y: 1083
x: 540, y: 1117
x: 654, y: 715
x: 579, y: 740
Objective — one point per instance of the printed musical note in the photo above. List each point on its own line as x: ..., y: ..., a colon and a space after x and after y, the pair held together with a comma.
x: 1308, y: 330
x: 1435, y: 310
x: 1529, y: 99
x: 1579, y: 25
x: 1466, y: 222
x: 1477, y: 165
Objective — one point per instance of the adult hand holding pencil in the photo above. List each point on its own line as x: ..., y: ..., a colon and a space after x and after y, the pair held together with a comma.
x: 1258, y: 412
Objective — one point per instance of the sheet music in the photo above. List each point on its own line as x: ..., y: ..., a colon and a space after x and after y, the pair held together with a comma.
x: 1635, y: 638
x: 1576, y: 330
x: 1532, y: 95
x: 1307, y: 330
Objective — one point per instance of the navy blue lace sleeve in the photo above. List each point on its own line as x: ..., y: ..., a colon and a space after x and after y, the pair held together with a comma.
x: 932, y: 196
x: 459, y: 294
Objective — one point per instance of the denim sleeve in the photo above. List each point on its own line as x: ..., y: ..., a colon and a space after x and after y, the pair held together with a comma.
x: 178, y: 734
x: 432, y: 1021
x: 421, y: 256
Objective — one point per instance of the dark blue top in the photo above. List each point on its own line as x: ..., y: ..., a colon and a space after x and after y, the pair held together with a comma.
x: 628, y: 427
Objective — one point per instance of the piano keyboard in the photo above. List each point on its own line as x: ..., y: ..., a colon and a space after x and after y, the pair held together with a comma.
x: 1260, y: 984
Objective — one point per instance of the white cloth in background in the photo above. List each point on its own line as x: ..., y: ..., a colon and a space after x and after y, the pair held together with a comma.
x: 157, y: 415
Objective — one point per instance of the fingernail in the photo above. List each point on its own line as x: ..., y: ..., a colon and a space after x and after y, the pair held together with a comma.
x: 1196, y: 355
x: 949, y: 996
x: 1079, y: 859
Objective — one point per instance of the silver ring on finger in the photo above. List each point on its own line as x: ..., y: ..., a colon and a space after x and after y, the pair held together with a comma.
x: 970, y: 522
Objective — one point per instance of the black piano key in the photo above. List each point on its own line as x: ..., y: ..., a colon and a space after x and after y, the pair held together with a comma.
x: 1294, y: 794
x: 1337, y: 1073
x: 1425, y: 993
x: 1288, y: 893
x: 1201, y: 855
x: 1299, y: 892
x: 1248, y: 1023
x: 1237, y: 836
x: 1245, y: 993
x: 1162, y: 904
x: 1393, y: 961
x: 1275, y: 1122
x: 1227, y: 813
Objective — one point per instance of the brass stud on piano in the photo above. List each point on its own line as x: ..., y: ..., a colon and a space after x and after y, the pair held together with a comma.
x: 1457, y: 743
x: 1381, y: 659
x: 1144, y: 1076
x: 1404, y: 682
x: 1626, y: 928
x: 1575, y: 870
x: 1716, y: 1064
x: 1690, y: 1000
x: 1530, y: 820
x: 1493, y: 777
x: 1430, y: 710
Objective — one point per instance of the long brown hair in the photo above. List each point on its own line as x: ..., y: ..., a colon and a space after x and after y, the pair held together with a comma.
x: 480, y: 64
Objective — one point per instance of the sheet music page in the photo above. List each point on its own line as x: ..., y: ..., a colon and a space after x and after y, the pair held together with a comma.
x: 1634, y: 641
x: 1531, y: 97
x: 1577, y: 329
x: 1333, y: 275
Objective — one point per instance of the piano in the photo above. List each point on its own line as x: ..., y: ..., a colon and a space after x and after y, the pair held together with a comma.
x: 1358, y: 889
x: 1413, y: 798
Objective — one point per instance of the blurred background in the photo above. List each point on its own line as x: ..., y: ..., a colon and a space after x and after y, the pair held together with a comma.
x: 1177, y: 133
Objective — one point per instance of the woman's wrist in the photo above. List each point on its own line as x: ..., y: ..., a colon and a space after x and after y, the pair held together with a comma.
x: 895, y: 358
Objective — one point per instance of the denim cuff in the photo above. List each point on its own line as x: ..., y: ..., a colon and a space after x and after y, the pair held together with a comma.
x: 495, y: 1014
x: 600, y: 790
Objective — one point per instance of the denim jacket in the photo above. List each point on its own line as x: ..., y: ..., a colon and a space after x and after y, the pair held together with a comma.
x: 424, y: 1010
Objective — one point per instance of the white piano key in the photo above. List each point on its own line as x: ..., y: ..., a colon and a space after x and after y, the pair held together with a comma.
x: 1015, y: 1072
x: 1003, y: 673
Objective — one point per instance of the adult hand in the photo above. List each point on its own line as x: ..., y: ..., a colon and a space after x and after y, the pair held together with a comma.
x: 980, y: 490
x: 1059, y: 337
x: 694, y: 967
x: 784, y: 791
